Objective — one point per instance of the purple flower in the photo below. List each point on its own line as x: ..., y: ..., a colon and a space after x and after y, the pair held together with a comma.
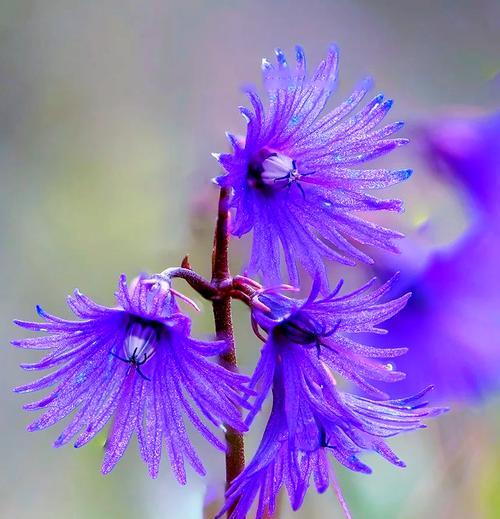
x: 452, y: 324
x: 322, y: 333
x: 296, y: 176
x: 466, y: 148
x: 306, y: 342
x: 137, y: 366
x: 353, y: 426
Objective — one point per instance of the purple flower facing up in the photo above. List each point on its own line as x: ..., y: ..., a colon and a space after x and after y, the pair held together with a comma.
x: 306, y: 342
x: 136, y: 366
x: 297, y: 175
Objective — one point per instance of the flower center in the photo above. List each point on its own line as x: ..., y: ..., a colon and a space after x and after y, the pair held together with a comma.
x: 300, y: 330
x: 272, y: 170
x: 140, y: 343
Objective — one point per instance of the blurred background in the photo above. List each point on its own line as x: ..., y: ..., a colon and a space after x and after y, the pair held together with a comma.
x: 108, y: 113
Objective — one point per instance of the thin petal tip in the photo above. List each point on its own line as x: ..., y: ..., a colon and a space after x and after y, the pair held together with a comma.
x: 299, y: 53
x: 280, y: 56
x: 405, y: 174
x: 334, y: 48
x: 265, y: 65
x: 40, y: 311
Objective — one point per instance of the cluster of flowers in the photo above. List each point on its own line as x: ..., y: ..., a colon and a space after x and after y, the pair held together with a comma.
x: 295, y: 181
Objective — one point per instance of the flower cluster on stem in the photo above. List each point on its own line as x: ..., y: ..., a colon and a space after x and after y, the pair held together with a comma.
x: 295, y: 181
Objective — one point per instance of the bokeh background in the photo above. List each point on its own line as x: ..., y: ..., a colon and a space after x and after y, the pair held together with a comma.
x: 108, y: 113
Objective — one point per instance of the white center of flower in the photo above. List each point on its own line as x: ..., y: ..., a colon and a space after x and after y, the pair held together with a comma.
x: 140, y: 343
x: 278, y: 171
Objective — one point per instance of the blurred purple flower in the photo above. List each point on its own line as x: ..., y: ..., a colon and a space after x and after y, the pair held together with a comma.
x: 136, y: 365
x: 451, y: 325
x: 306, y: 342
x: 466, y: 148
x: 294, y: 175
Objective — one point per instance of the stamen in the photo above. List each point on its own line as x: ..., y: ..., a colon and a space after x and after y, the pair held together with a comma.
x: 140, y: 343
x: 274, y: 170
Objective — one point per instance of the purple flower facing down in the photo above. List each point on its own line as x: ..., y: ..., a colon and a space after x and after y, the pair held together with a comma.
x: 322, y: 331
x: 306, y: 341
x: 297, y: 175
x: 136, y: 366
x: 343, y: 425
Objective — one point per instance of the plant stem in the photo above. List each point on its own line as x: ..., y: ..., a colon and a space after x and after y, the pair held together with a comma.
x: 235, y: 456
x: 204, y: 287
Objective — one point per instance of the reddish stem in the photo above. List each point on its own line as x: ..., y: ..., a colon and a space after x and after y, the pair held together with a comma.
x: 204, y: 287
x: 221, y: 277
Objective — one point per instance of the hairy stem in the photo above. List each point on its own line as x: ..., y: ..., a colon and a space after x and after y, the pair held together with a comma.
x: 204, y: 287
x: 221, y: 276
